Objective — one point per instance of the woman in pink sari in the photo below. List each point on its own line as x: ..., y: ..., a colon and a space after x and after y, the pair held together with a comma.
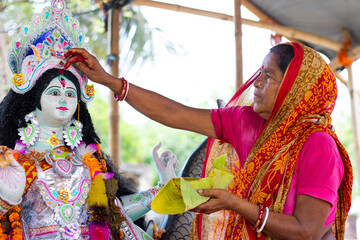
x: 293, y: 178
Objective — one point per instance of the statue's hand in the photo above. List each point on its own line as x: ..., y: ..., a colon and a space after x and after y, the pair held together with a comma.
x: 165, y: 164
x: 12, y: 177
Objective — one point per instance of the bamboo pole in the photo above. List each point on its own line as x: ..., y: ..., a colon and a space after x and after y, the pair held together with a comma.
x: 257, y: 12
x: 238, y: 44
x: 355, y: 117
x: 262, y: 16
x: 113, y: 46
x: 285, y: 31
x: 339, y: 77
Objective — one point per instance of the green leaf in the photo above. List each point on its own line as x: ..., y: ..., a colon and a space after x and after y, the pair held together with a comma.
x: 182, y: 192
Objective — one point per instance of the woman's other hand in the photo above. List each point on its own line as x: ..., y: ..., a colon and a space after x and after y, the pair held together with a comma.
x: 86, y: 63
x: 219, y: 200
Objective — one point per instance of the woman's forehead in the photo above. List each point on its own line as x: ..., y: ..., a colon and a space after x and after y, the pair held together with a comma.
x: 270, y: 63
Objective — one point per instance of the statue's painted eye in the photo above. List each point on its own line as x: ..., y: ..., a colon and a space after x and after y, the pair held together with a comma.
x: 54, y: 92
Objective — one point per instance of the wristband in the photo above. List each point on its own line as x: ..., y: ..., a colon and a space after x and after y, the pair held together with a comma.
x: 124, y: 91
x: 260, y: 217
x: 259, y: 230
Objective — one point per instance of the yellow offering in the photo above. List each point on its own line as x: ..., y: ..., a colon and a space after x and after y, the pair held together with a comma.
x: 180, y: 194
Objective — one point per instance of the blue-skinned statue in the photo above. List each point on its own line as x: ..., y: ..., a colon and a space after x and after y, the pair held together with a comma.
x: 55, y: 182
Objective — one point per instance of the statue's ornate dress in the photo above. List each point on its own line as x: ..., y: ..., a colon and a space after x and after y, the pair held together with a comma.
x: 54, y: 205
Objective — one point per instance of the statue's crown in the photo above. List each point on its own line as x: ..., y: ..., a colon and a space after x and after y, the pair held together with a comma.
x: 40, y: 46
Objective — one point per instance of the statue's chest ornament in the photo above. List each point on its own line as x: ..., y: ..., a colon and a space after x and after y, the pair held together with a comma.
x: 63, y: 163
x: 65, y: 188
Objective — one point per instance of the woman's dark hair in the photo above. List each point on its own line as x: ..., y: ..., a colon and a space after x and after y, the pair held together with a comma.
x: 285, y: 54
x: 15, y: 107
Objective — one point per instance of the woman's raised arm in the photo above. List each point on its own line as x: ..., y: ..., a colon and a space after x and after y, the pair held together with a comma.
x: 151, y: 104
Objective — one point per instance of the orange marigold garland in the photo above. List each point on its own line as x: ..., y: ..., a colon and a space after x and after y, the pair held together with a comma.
x: 14, y: 217
x: 15, y: 229
x: 94, y: 164
x: 97, y: 200
x: 3, y: 235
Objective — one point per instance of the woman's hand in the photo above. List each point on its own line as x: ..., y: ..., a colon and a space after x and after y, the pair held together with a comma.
x: 86, y: 63
x: 220, y: 200
x: 307, y: 222
x: 12, y: 178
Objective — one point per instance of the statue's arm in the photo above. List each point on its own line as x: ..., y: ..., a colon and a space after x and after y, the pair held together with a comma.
x: 138, y: 204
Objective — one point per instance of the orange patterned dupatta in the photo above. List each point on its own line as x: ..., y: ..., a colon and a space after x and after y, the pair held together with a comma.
x: 303, y: 106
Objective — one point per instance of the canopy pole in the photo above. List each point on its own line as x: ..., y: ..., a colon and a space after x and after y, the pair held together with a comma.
x: 338, y: 76
x: 354, y: 117
x: 238, y: 44
x: 114, y: 117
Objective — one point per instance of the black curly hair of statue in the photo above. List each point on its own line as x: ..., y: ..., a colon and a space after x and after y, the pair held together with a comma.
x: 15, y: 107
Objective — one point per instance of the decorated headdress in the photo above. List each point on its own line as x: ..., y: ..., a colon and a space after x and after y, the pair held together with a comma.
x: 40, y: 46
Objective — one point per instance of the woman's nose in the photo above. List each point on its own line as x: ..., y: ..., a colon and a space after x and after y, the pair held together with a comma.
x: 259, y: 81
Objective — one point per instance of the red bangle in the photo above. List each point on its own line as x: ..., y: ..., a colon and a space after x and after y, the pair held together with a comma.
x: 260, y: 217
x: 124, y: 91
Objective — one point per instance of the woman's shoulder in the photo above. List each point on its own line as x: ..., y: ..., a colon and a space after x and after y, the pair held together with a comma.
x: 321, y: 149
x: 321, y: 141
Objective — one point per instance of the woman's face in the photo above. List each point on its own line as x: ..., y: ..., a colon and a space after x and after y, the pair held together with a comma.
x: 267, y: 86
x: 58, y: 102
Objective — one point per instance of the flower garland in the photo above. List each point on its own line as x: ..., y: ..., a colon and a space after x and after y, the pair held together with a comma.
x: 14, y: 218
x: 3, y: 235
x: 16, y: 232
x: 94, y: 164
x: 104, y: 214
x: 97, y: 200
